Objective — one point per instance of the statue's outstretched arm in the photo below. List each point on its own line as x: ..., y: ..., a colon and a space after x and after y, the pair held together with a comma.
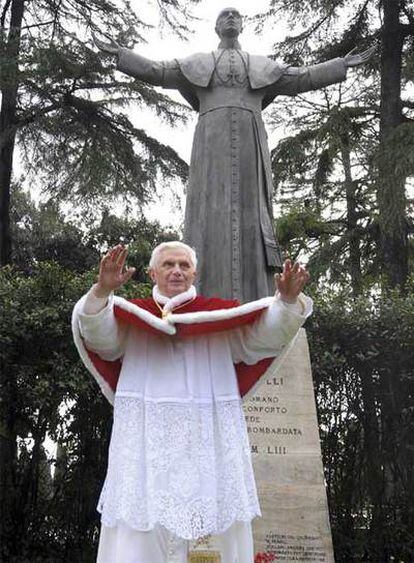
x: 158, y: 73
x: 305, y: 78
x: 297, y: 79
x: 112, y: 48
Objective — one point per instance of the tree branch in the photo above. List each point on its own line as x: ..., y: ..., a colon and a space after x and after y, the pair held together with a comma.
x: 41, y: 24
x: 407, y: 104
x: 407, y: 29
x: 115, y: 84
x: 409, y: 14
x: 307, y: 33
x: 3, y: 14
x: 26, y: 120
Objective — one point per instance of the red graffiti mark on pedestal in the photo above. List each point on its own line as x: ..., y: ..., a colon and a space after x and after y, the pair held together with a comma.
x: 265, y: 557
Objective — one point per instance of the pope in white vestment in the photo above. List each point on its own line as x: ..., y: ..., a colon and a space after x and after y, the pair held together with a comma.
x: 179, y: 464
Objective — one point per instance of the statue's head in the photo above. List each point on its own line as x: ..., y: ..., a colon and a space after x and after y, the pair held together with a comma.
x: 229, y: 23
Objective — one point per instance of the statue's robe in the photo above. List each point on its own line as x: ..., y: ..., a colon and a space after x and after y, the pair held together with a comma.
x: 229, y: 218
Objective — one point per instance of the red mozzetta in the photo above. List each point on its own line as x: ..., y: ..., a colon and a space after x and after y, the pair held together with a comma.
x: 193, y: 318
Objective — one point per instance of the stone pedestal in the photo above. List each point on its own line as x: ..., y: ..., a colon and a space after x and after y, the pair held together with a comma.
x: 283, y: 431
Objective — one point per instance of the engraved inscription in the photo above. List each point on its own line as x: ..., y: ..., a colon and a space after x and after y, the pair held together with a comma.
x: 264, y: 415
x: 282, y: 427
x: 289, y: 547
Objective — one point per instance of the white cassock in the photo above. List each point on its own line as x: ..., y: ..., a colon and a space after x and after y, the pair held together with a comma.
x: 179, y: 466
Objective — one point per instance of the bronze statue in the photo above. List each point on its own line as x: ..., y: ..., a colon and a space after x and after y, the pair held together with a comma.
x: 228, y: 216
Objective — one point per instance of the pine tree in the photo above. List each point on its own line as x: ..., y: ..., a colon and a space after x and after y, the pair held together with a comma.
x: 331, y: 29
x: 62, y: 106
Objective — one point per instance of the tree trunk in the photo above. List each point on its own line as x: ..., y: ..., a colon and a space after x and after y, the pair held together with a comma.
x: 351, y: 219
x: 391, y: 186
x: 7, y: 125
x: 8, y: 461
x: 374, y: 459
x: 8, y: 447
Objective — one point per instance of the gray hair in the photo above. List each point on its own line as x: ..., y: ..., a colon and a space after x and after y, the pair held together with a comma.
x: 173, y: 244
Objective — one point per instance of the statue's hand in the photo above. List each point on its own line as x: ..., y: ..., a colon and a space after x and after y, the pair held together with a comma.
x: 355, y: 59
x: 291, y: 281
x: 112, y: 47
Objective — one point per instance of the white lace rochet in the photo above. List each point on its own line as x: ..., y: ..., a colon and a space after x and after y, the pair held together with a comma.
x: 185, y: 465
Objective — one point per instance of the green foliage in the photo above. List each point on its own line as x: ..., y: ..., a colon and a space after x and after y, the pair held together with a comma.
x: 140, y: 235
x: 45, y: 391
x: 42, y: 233
x: 321, y: 29
x: 398, y: 155
x: 362, y: 356
x: 326, y: 191
x: 299, y: 227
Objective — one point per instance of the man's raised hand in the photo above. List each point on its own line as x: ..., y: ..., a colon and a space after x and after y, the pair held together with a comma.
x: 112, y: 272
x: 291, y: 281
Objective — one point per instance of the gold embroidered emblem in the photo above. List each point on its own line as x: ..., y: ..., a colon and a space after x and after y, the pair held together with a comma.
x: 204, y: 557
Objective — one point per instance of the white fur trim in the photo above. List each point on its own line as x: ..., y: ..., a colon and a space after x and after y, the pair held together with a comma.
x: 146, y: 316
x: 220, y: 314
x: 167, y: 325
x: 104, y: 386
x: 171, y: 302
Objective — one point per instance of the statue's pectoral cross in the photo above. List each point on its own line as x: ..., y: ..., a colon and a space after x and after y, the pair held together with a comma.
x: 233, y: 76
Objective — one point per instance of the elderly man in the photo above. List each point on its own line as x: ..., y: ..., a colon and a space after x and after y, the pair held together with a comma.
x: 175, y: 367
x: 230, y: 188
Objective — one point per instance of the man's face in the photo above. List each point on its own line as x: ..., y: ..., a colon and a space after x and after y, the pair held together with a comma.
x: 229, y: 23
x: 173, y: 272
